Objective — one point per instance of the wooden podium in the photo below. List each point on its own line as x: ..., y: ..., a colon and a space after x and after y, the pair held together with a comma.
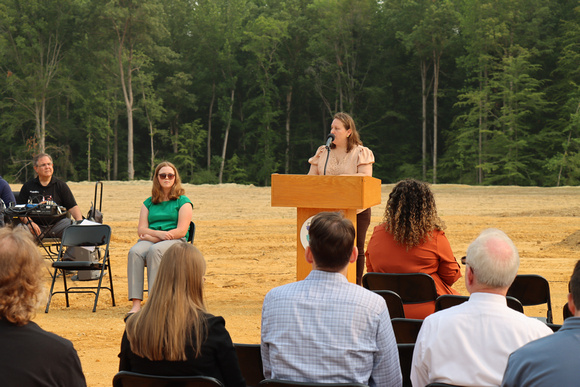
x: 312, y: 194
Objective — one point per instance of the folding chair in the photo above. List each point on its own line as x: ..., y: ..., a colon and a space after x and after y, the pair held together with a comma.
x: 394, y: 303
x: 413, y: 288
x: 445, y: 301
x: 287, y: 383
x: 566, y: 312
x: 405, y: 360
x: 133, y: 379
x: 250, y: 360
x: 532, y: 289
x: 191, y: 235
x: 95, y: 236
x: 406, y: 329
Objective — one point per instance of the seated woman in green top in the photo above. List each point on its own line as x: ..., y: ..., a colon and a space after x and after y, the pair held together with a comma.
x: 163, y: 221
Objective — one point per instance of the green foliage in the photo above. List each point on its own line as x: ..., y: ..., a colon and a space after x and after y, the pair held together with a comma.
x: 258, y: 81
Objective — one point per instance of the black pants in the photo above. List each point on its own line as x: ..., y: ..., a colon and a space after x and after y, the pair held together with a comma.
x: 363, y: 220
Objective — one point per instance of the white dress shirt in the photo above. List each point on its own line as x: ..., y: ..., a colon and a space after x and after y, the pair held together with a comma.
x: 469, y: 344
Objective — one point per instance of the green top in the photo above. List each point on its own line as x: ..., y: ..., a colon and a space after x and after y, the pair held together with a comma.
x: 164, y: 216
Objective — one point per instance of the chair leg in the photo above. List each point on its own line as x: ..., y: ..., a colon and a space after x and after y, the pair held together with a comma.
x: 65, y: 287
x: 51, y: 289
x: 111, y: 280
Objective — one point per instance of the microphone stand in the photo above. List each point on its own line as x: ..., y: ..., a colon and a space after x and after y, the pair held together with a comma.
x: 327, y: 155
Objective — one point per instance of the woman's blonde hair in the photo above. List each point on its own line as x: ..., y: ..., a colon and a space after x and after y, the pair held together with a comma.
x: 411, y: 214
x: 354, y: 138
x: 174, y: 315
x: 21, y: 282
x: 177, y: 190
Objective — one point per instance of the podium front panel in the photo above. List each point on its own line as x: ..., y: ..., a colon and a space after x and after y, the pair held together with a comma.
x: 303, y: 268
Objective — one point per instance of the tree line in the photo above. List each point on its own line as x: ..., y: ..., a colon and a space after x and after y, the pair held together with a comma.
x: 231, y: 91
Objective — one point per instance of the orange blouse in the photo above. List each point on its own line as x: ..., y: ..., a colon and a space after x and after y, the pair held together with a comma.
x: 433, y: 257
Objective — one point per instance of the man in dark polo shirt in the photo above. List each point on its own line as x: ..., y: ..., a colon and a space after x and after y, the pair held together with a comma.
x: 46, y: 188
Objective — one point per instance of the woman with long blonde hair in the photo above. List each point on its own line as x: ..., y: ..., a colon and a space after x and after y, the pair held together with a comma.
x: 173, y: 334
x: 411, y: 239
x: 163, y: 221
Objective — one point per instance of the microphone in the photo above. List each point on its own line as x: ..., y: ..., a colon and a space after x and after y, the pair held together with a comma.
x: 329, y: 139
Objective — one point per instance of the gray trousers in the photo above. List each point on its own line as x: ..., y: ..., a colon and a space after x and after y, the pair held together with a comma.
x: 145, y: 253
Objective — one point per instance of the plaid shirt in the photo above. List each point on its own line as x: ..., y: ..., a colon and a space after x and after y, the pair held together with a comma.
x: 327, y: 330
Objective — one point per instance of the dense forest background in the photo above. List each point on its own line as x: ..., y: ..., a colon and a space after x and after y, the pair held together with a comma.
x: 448, y: 91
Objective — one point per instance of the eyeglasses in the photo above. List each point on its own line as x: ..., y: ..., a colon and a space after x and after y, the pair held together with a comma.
x: 164, y: 176
x: 44, y: 165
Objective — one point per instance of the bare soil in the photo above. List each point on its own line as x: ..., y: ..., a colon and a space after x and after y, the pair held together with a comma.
x: 250, y: 248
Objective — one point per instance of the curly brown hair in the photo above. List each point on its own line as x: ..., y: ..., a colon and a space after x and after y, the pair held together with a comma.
x: 21, y: 282
x: 411, y: 214
x: 157, y: 193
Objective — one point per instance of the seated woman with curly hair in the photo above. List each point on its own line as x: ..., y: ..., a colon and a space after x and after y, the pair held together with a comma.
x: 411, y: 240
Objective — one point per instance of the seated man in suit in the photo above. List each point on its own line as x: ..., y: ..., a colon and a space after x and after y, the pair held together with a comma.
x: 46, y: 188
x: 29, y: 356
x: 325, y: 329
x: 552, y: 360
x: 469, y: 344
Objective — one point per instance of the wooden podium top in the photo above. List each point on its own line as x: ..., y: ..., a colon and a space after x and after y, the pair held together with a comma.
x: 315, y: 191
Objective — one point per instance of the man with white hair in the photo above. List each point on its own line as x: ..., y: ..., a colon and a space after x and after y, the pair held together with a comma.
x: 469, y: 344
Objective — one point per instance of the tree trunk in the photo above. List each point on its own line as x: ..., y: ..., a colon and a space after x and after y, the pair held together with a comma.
x: 436, y: 59
x: 116, y: 148
x: 89, y: 158
x: 424, y: 116
x: 209, y: 125
x: 288, y: 108
x: 227, y: 133
x: 128, y: 96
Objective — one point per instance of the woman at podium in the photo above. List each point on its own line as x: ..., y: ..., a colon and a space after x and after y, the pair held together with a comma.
x: 411, y: 240
x: 347, y: 156
x: 163, y: 221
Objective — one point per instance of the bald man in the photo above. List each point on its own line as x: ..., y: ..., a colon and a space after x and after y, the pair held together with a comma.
x: 469, y: 344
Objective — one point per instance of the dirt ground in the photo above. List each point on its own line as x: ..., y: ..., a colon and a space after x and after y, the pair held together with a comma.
x: 250, y: 248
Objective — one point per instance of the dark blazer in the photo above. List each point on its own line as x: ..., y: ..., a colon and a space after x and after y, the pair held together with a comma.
x: 218, y: 358
x: 32, y: 357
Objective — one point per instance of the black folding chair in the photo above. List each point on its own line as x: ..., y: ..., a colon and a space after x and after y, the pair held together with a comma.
x: 405, y: 360
x: 532, y: 289
x: 566, y: 312
x: 394, y: 303
x: 413, y: 288
x: 191, y: 235
x: 93, y: 236
x: 133, y: 379
x: 287, y: 383
x: 250, y: 360
x: 445, y: 301
x: 406, y: 329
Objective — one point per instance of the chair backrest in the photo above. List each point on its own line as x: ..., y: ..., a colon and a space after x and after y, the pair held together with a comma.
x: 287, y: 383
x: 86, y: 235
x: 133, y: 379
x: 554, y: 327
x: 532, y: 289
x: 191, y: 231
x: 413, y: 288
x: 250, y: 361
x: 445, y: 301
x: 405, y: 360
x: 566, y: 312
x: 406, y: 329
x: 394, y: 303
